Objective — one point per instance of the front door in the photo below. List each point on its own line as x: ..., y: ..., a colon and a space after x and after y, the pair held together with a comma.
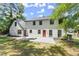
x: 44, y: 33
x: 25, y: 33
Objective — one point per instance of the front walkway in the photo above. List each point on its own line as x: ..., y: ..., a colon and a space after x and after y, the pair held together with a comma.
x: 44, y: 40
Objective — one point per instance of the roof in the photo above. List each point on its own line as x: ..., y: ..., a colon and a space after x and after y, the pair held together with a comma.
x: 38, y: 19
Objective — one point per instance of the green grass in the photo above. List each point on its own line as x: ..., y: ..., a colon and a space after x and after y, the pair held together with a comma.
x: 9, y: 46
x: 4, y: 39
x: 76, y: 43
x: 72, y: 43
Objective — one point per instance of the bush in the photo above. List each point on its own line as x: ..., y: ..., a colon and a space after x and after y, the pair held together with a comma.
x: 64, y: 37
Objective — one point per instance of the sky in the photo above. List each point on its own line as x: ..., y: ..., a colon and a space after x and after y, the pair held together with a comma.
x: 34, y: 10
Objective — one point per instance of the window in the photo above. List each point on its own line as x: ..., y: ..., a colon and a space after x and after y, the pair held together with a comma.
x: 50, y: 33
x: 40, y: 22
x: 51, y: 22
x: 39, y: 31
x: 15, y: 23
x: 19, y: 31
x: 30, y: 31
x: 59, y: 33
x: 34, y: 23
x: 60, y: 21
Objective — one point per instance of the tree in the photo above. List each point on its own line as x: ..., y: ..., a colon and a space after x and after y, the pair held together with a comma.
x: 69, y: 12
x: 8, y: 13
x: 61, y: 9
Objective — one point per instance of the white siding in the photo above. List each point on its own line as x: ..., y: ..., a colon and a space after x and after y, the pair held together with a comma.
x: 63, y: 32
x: 45, y: 25
x: 28, y: 25
x: 35, y: 33
x: 55, y: 33
x: 14, y: 29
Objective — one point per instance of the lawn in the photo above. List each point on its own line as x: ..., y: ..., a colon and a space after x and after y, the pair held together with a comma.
x: 76, y: 43
x: 12, y: 47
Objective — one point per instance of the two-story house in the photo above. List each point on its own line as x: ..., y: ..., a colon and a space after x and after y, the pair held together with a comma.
x: 35, y: 28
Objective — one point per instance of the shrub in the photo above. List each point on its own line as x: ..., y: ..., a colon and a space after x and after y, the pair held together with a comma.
x: 64, y: 37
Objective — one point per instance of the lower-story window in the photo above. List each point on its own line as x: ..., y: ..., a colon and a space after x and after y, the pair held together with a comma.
x: 30, y: 31
x: 50, y: 33
x: 19, y: 31
x: 39, y: 31
x: 59, y: 33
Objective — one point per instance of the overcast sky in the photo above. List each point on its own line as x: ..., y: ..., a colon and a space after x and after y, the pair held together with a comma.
x: 33, y: 10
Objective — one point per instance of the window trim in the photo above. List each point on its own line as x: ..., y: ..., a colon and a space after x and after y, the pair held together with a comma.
x: 15, y: 23
x: 50, y: 33
x: 51, y: 22
x: 39, y: 31
x: 60, y: 21
x: 30, y: 31
x: 40, y: 22
x: 34, y: 23
x: 59, y: 34
x: 19, y: 31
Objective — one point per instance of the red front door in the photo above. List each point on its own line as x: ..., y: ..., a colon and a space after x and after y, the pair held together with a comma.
x: 44, y: 33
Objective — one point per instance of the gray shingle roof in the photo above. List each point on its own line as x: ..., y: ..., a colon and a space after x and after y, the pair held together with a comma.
x: 38, y: 19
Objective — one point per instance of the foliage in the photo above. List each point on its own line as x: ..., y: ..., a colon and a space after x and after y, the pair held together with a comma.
x: 9, y: 13
x: 77, y: 28
x: 61, y: 9
x: 69, y: 12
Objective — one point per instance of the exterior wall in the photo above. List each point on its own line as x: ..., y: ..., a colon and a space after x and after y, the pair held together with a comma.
x: 13, y: 29
x: 63, y: 32
x: 28, y: 25
x: 35, y: 34
x: 45, y: 25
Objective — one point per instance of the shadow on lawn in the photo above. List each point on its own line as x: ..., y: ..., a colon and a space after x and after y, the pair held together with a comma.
x: 72, y: 43
x: 31, y: 50
x: 52, y: 51
x: 27, y: 48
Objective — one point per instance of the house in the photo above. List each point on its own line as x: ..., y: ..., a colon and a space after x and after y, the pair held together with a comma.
x: 36, y: 28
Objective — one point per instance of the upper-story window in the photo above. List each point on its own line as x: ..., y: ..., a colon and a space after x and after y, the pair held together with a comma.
x: 60, y: 21
x: 15, y: 23
x: 40, y: 22
x: 51, y: 22
x: 34, y: 23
